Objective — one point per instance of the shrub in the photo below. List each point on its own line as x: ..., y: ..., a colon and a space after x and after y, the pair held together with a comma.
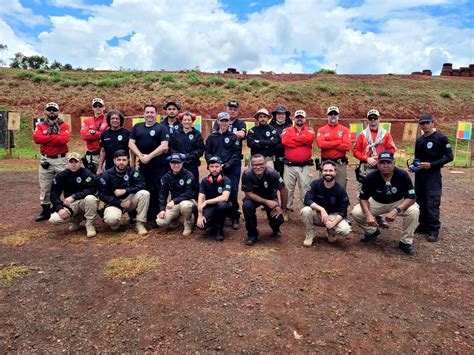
x: 109, y: 83
x: 446, y: 94
x: 168, y: 78
x: 325, y: 71
x: 231, y: 83
x: 215, y: 80
x: 193, y: 78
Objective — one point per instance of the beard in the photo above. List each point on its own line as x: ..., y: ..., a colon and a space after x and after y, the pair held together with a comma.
x: 328, y: 178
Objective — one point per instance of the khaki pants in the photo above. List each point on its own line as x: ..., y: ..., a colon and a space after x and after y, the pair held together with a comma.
x: 86, y: 207
x: 184, y: 208
x: 409, y: 218
x: 364, y: 170
x: 293, y: 175
x: 341, y: 173
x: 312, y: 218
x: 140, y: 203
x: 45, y: 176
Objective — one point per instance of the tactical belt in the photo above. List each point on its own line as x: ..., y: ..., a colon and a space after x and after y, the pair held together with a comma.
x: 303, y: 163
x: 54, y: 156
x: 342, y: 160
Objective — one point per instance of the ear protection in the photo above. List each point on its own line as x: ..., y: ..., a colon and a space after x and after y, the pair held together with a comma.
x: 180, y: 116
x: 218, y: 179
x: 178, y: 106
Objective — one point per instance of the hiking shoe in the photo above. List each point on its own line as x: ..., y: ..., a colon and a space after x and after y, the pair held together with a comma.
x: 188, y: 228
x: 174, y: 223
x: 308, y: 240
x: 219, y: 236
x: 74, y: 226
x: 276, y: 234
x: 235, y: 223
x: 432, y: 237
x: 407, y: 248
x: 140, y: 227
x: 382, y: 223
x: 90, y: 229
x: 370, y: 237
x: 332, y: 238
x: 251, y: 239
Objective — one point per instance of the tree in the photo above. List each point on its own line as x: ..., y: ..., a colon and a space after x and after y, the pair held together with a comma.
x: 67, y: 66
x: 56, y: 65
x: 37, y: 62
x: 18, y: 61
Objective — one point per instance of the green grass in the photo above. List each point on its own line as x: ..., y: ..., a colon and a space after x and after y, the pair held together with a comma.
x: 168, y: 78
x: 12, y: 272
x: 193, y: 78
x: 215, y: 80
x: 446, y: 94
x: 231, y: 83
x: 113, y: 83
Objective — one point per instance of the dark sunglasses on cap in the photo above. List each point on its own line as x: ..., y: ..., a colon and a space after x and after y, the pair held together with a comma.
x: 97, y: 105
x: 333, y: 113
x: 373, y: 117
x: 51, y: 109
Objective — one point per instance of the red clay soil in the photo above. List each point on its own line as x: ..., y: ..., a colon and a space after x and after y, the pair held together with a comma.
x: 207, y: 296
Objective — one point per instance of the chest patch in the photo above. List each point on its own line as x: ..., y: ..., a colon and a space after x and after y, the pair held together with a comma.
x: 191, y: 136
x: 78, y: 180
x: 125, y: 177
x: 429, y: 145
x: 265, y: 184
x: 267, y: 134
x: 119, y: 138
x: 226, y: 140
x: 339, y: 134
x: 181, y: 182
x: 219, y: 189
x: 152, y: 133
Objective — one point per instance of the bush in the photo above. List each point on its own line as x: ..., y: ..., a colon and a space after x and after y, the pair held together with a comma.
x: 109, y: 83
x: 193, y: 78
x: 446, y: 94
x: 231, y: 83
x: 168, y: 78
x: 150, y: 79
x: 325, y: 71
x: 215, y: 80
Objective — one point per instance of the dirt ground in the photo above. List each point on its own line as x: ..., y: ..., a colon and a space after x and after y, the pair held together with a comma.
x: 206, y: 296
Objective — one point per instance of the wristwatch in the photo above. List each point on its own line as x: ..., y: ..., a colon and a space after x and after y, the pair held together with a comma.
x: 399, y: 210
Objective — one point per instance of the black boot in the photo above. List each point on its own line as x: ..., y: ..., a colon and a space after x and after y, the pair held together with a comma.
x: 219, y: 234
x: 45, y: 213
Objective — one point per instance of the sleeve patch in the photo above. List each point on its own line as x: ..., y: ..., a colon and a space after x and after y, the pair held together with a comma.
x: 411, y: 192
x: 135, y: 174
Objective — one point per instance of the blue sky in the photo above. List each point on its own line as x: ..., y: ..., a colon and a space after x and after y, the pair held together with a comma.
x: 354, y: 36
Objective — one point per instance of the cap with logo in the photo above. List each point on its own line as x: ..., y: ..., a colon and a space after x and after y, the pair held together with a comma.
x: 373, y: 113
x: 386, y: 156
x: 73, y: 156
x: 300, y: 113
x: 53, y: 105
x: 98, y: 102
x: 262, y: 111
x: 281, y: 109
x: 176, y: 157
x: 233, y: 103
x: 223, y: 116
x: 214, y: 160
x: 425, y: 118
x: 333, y: 109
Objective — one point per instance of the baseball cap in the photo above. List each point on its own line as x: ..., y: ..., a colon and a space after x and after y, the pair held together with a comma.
x: 281, y: 109
x: 425, y: 118
x: 171, y: 103
x: 386, y: 156
x: 262, y: 111
x: 300, y: 113
x: 214, y: 160
x: 73, y: 155
x: 233, y: 103
x: 98, y: 100
x: 373, y: 112
x: 333, y: 109
x: 52, y: 104
x: 176, y: 157
x: 223, y: 116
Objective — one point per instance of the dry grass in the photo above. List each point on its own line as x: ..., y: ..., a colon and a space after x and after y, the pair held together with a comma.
x: 259, y: 253
x: 127, y: 268
x: 213, y: 287
x: 330, y: 274
x: 12, y: 272
x: 19, y: 238
x: 106, y: 238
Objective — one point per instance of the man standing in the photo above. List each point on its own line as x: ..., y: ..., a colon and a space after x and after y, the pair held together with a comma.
x: 281, y: 120
x: 187, y: 140
x: 179, y: 183
x: 298, y: 142
x: 122, y: 188
x: 77, y: 184
x: 262, y: 139
x: 53, y: 135
x: 334, y: 140
x: 170, y: 120
x: 225, y: 145
x: 387, y: 190
x: 260, y: 185
x: 326, y: 206
x: 149, y: 142
x: 91, y: 131
x: 433, y: 151
x: 114, y: 138
x: 369, y: 144
x: 213, y: 201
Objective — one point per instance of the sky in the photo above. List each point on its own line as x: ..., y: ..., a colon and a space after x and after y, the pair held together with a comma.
x: 290, y: 36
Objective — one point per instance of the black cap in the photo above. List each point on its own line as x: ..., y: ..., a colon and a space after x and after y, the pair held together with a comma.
x: 425, y: 118
x: 214, y: 160
x: 233, y: 103
x: 176, y: 157
x: 281, y: 109
x: 386, y: 156
x: 171, y: 103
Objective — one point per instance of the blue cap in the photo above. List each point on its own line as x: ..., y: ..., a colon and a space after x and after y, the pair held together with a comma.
x: 176, y: 157
x: 223, y: 116
x: 425, y: 118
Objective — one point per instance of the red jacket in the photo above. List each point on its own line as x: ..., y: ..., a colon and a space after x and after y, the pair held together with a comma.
x: 52, y: 144
x: 334, y: 141
x: 298, y: 144
x: 98, y: 125
x: 361, y: 148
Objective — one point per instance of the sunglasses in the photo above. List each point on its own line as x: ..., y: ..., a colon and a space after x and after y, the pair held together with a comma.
x: 97, y: 106
x: 51, y: 109
x: 372, y: 118
x: 333, y: 114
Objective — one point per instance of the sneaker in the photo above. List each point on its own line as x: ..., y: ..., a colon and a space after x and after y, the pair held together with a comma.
x: 308, y: 241
x: 381, y: 222
x: 140, y: 227
x: 407, y: 248
x: 74, y: 226
x: 90, y: 229
x: 235, y: 224
x: 251, y: 239
x: 370, y: 237
x: 188, y: 228
x: 432, y: 237
x: 276, y: 234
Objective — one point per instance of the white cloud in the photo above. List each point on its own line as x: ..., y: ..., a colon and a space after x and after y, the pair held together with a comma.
x: 375, y: 37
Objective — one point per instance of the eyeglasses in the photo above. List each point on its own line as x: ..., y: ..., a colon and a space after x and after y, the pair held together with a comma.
x: 372, y: 118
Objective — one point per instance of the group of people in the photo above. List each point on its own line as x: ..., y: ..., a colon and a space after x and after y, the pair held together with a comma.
x: 152, y: 173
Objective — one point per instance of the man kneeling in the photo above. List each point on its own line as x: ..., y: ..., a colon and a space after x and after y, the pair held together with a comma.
x: 213, y: 200
x: 122, y: 189
x: 78, y: 187
x: 326, y: 206
x: 180, y: 184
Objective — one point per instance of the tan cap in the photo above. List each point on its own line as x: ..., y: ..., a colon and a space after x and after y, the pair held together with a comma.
x: 300, y: 113
x: 98, y: 100
x: 373, y: 112
x: 52, y: 104
x: 73, y: 155
x: 263, y: 111
x: 333, y: 108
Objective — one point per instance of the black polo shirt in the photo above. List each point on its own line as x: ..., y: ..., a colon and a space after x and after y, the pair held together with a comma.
x: 265, y: 187
x: 113, y: 140
x: 399, y: 187
x: 333, y: 200
x: 434, y: 149
x: 214, y: 189
x: 147, y: 139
